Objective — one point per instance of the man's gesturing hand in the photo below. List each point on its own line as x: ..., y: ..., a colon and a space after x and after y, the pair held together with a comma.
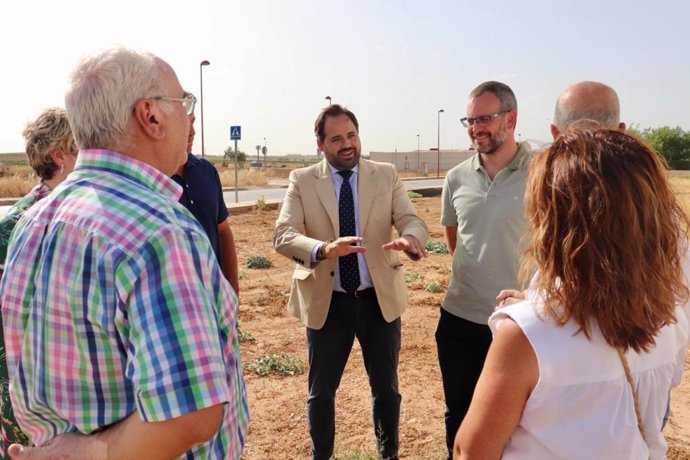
x: 408, y: 243
x: 343, y: 246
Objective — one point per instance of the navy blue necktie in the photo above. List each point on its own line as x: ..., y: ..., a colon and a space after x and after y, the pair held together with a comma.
x: 349, y: 271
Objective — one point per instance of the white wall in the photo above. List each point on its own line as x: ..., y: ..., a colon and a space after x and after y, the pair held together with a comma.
x: 415, y: 160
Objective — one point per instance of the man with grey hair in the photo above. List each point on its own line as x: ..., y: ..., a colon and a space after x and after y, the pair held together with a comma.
x: 119, y: 325
x: 482, y: 212
x: 587, y: 104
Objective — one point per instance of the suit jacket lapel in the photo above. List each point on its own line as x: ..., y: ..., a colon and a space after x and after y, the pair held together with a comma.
x: 366, y: 191
x: 323, y: 187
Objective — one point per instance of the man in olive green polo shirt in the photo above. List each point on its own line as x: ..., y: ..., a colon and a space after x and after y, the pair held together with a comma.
x: 482, y: 212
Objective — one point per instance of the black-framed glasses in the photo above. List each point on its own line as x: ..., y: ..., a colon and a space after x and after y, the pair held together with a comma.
x: 188, y: 101
x: 481, y: 120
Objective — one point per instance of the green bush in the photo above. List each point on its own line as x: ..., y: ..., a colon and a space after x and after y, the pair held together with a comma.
x: 436, y: 247
x: 434, y: 286
x: 258, y: 262
x: 411, y: 277
x: 243, y: 336
x: 281, y: 364
x: 414, y: 195
x: 261, y: 203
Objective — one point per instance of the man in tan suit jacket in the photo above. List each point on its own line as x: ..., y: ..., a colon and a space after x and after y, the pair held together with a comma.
x: 310, y: 231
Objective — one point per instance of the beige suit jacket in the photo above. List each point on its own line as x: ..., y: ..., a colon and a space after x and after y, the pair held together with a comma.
x: 309, y: 215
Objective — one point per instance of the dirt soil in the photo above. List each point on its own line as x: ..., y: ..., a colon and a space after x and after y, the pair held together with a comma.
x: 278, y: 403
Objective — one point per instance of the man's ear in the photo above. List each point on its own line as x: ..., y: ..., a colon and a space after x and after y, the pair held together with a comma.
x: 555, y: 132
x: 148, y: 117
x: 319, y: 144
x: 512, y: 119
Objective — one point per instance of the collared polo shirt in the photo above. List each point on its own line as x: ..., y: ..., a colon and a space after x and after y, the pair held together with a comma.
x: 202, y: 194
x: 113, y: 302
x: 490, y: 220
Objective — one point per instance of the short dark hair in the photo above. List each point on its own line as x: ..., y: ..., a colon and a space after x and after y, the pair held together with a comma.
x: 500, y: 90
x: 332, y: 111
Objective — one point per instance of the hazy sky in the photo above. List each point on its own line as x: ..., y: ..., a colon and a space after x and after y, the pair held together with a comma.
x: 394, y: 63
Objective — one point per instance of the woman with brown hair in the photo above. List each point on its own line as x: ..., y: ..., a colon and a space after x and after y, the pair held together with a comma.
x: 582, y: 368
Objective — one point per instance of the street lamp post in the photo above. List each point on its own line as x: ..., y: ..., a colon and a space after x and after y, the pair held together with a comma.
x: 438, y: 144
x: 201, y: 99
x: 265, y: 152
x: 417, y: 152
x: 328, y: 98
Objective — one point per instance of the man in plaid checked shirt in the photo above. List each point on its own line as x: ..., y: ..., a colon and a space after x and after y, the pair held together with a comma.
x: 116, y: 314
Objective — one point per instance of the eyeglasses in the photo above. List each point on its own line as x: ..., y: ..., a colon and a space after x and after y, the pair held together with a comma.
x: 482, y: 120
x: 188, y: 101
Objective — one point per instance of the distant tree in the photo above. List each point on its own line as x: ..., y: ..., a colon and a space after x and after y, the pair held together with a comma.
x: 634, y: 130
x: 672, y: 143
x: 230, y: 156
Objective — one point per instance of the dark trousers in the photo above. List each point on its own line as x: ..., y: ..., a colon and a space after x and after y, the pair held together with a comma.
x: 329, y: 349
x: 462, y: 347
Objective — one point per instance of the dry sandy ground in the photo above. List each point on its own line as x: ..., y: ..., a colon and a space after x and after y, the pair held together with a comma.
x: 278, y: 404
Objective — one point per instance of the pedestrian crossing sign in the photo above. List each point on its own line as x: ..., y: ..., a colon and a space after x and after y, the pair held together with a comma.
x: 235, y: 133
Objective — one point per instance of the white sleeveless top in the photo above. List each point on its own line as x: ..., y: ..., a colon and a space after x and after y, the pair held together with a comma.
x: 582, y: 406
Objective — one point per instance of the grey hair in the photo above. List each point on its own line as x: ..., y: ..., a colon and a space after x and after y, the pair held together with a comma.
x: 587, y: 100
x: 500, y: 90
x: 103, y: 91
x: 564, y: 117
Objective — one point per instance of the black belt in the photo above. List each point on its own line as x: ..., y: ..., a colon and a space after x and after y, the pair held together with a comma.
x: 368, y: 292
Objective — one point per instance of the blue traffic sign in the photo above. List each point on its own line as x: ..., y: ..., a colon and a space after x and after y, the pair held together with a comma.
x: 235, y: 133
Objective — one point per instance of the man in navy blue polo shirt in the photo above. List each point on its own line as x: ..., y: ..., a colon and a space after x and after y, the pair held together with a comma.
x: 203, y: 196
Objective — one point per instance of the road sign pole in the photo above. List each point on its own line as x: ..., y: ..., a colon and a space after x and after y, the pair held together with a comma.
x: 237, y: 200
x: 236, y: 135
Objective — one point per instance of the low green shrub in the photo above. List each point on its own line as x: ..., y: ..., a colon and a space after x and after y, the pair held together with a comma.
x: 411, y: 277
x: 280, y: 364
x: 436, y: 247
x: 261, y: 203
x: 434, y: 286
x: 244, y: 336
x: 258, y: 262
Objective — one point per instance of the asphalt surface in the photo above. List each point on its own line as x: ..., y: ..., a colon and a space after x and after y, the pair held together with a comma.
x: 273, y: 193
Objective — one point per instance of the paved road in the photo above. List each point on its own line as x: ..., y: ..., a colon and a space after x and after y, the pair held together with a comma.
x: 277, y: 192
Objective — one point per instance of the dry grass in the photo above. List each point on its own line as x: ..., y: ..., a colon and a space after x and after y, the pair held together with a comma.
x: 17, y: 180
x: 680, y: 181
x: 245, y: 176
